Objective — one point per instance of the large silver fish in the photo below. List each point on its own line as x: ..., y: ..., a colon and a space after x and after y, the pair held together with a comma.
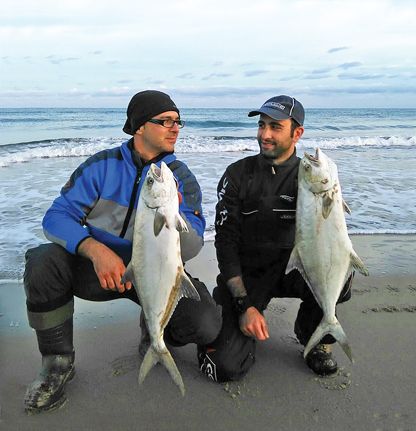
x: 156, y: 268
x: 323, y: 252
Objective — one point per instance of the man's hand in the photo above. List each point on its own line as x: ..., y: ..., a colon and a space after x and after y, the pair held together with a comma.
x: 253, y: 324
x: 108, y: 266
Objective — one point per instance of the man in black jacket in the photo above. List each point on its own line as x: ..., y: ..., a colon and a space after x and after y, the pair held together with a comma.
x: 255, y: 232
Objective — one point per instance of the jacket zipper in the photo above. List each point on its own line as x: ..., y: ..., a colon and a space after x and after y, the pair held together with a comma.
x: 131, y: 203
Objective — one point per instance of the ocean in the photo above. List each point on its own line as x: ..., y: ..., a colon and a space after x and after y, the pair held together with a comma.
x: 375, y: 150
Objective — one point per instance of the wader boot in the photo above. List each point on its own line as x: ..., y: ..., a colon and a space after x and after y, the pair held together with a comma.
x: 144, y: 343
x: 47, y: 391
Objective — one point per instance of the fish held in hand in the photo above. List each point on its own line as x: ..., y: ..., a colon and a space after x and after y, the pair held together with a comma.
x: 323, y: 252
x: 156, y: 268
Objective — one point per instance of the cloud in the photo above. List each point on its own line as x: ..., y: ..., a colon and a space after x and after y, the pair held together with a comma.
x: 321, y: 71
x: 360, y: 77
x: 318, y: 73
x: 124, y: 81
x: 216, y: 75
x: 316, y: 76
x: 186, y: 76
x: 156, y: 81
x: 339, y: 48
x: 349, y: 65
x: 112, y: 92
x: 291, y: 78
x: 58, y: 60
x: 351, y: 90
x: 250, y: 73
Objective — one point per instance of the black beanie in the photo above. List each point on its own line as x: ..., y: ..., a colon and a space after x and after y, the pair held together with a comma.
x: 145, y: 105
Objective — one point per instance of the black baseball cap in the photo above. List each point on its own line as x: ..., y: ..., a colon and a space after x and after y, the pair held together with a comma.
x: 145, y: 105
x: 282, y: 108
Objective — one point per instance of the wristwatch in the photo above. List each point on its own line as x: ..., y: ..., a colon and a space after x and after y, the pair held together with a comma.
x: 241, y: 303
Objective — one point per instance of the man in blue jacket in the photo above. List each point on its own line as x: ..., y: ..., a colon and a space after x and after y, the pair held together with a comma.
x: 90, y: 226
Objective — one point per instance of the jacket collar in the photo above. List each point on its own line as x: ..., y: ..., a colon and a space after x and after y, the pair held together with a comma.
x: 140, y: 163
x: 291, y: 161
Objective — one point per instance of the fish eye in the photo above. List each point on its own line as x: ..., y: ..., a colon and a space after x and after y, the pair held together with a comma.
x: 150, y: 181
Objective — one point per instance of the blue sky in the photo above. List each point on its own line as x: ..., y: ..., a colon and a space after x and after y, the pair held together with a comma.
x: 327, y: 53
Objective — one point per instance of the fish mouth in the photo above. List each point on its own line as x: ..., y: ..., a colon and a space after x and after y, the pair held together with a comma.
x: 156, y: 173
x: 313, y: 158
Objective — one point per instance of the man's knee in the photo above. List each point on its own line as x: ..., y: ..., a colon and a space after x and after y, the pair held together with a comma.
x: 45, y: 257
x: 47, y: 276
x: 220, y: 366
x: 200, y: 326
x: 209, y: 324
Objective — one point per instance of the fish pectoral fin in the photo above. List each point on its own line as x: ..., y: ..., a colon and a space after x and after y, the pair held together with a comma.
x: 327, y: 204
x: 188, y: 289
x: 346, y: 207
x: 180, y: 224
x: 159, y: 222
x: 358, y: 264
x: 128, y: 275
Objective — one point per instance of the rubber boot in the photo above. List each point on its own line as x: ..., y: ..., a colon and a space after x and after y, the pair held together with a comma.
x: 321, y: 361
x: 47, y: 391
x: 144, y: 343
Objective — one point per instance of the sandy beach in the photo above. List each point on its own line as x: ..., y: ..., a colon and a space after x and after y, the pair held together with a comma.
x: 280, y: 392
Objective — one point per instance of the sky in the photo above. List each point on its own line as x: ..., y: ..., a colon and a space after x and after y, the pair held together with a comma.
x: 326, y: 53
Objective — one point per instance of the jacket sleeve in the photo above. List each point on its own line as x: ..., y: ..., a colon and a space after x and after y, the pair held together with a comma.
x: 190, y: 209
x: 63, y: 222
x: 227, y: 225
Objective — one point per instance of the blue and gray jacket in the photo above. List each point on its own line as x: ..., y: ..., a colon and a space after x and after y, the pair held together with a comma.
x: 100, y: 201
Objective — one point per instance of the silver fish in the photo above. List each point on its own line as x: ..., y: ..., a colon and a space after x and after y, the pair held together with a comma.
x: 156, y: 268
x: 323, y: 252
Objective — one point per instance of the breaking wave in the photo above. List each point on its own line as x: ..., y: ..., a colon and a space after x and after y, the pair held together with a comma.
x: 84, y: 147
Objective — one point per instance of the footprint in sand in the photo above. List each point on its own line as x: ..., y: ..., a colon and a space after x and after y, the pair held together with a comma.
x: 124, y: 365
x: 338, y: 382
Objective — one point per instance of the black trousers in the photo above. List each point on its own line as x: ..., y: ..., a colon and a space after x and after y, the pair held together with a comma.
x: 53, y: 277
x: 233, y: 353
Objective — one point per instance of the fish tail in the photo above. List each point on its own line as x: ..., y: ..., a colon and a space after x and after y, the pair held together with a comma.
x: 153, y: 357
x: 331, y: 328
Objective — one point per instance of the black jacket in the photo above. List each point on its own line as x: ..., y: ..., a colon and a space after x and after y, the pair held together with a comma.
x: 255, y: 213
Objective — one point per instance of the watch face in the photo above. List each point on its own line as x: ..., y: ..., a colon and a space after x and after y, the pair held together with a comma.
x: 241, y: 304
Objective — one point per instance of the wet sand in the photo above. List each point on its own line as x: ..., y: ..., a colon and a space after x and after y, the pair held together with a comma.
x: 280, y: 392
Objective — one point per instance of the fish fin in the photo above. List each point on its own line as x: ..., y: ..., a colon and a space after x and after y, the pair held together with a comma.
x: 334, y: 329
x: 295, y: 262
x: 159, y: 222
x: 327, y: 205
x: 180, y: 224
x: 128, y: 275
x: 152, y: 357
x: 188, y: 289
x: 358, y: 264
x: 346, y: 207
